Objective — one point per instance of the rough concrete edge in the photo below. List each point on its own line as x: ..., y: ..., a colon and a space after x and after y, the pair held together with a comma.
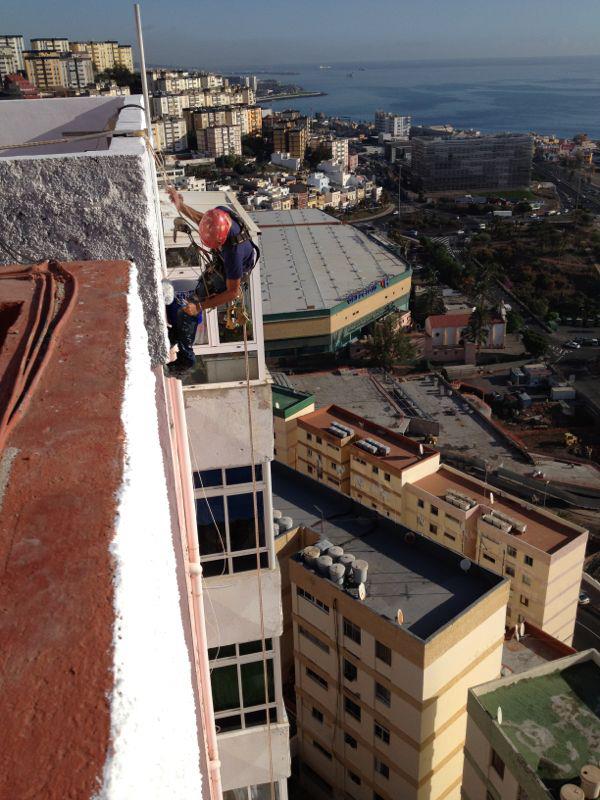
x: 6, y: 463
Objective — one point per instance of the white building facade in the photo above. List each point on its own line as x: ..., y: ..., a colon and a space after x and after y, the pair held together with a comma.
x: 15, y: 43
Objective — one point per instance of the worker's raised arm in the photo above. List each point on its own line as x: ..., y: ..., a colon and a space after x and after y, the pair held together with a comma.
x: 177, y: 200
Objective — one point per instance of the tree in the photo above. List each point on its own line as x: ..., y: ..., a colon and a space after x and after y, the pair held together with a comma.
x: 514, y: 322
x: 535, y: 343
x: 388, y: 345
x: 477, y: 330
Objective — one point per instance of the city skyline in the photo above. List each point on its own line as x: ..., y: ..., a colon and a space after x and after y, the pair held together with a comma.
x: 323, y: 35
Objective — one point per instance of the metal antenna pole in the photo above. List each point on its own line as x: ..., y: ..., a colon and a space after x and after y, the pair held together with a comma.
x: 140, y: 38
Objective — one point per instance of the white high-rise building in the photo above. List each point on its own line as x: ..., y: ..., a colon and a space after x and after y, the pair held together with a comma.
x: 396, y: 125
x: 16, y: 44
x: 54, y: 43
x: 339, y: 151
x: 8, y: 61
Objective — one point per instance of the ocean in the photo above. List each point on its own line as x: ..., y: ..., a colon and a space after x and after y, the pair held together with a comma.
x: 550, y: 95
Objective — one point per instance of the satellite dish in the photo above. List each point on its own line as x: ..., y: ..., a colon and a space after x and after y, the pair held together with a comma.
x: 362, y: 592
x: 421, y: 449
x: 465, y: 564
x: 399, y: 617
x: 492, y: 498
x: 499, y: 716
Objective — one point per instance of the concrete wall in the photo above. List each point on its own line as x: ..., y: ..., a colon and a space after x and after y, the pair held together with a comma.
x: 87, y: 207
x: 245, y: 756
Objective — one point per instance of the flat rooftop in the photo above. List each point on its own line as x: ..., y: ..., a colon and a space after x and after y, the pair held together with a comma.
x: 404, y: 452
x: 544, y: 531
x: 311, y: 262
x: 422, y: 578
x: 288, y: 401
x: 530, y: 650
x: 552, y: 719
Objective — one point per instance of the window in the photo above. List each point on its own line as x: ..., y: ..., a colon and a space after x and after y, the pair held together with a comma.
x: 489, y: 558
x: 526, y: 580
x: 350, y: 741
x: 450, y: 518
x: 316, y: 779
x: 322, y: 750
x: 354, y: 778
x: 449, y: 536
x: 528, y: 560
x: 310, y: 470
x: 375, y: 470
x: 511, y: 551
x: 312, y: 638
x: 226, y: 532
x: 420, y: 503
x: 311, y: 599
x: 381, y: 767
x: 433, y: 528
x: 352, y: 708
x: 524, y: 600
x: 383, y: 653
x: 381, y: 732
x: 238, y: 691
x: 236, y: 475
x: 319, y: 440
x: 352, y: 631
x: 497, y: 764
x: 387, y: 476
x: 382, y: 694
x: 318, y: 715
x: 434, y: 511
x: 350, y: 671
x: 260, y: 791
x: 310, y: 673
x: 510, y: 571
x: 309, y: 437
x: 309, y: 452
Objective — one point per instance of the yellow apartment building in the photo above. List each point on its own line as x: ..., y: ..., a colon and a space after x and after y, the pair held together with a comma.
x: 384, y: 657
x: 539, y: 552
x: 288, y: 405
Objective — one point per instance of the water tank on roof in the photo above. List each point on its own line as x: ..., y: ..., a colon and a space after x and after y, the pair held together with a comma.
x: 323, y: 564
x: 590, y: 781
x: 335, y: 552
x: 359, y: 570
x: 285, y: 524
x: 277, y: 514
x: 324, y: 545
x: 571, y: 792
x: 336, y: 573
x: 347, y: 560
x: 310, y: 555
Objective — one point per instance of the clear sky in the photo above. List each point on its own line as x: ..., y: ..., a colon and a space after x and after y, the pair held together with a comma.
x: 245, y: 33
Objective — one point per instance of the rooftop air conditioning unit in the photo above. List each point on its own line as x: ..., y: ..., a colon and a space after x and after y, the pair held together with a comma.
x: 336, y: 432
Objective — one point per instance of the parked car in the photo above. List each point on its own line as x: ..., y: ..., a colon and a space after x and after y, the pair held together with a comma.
x: 573, y: 345
x: 584, y: 599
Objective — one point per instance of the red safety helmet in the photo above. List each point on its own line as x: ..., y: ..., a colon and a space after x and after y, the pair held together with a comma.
x: 214, y: 228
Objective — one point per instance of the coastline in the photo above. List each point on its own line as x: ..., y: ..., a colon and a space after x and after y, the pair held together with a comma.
x: 289, y: 96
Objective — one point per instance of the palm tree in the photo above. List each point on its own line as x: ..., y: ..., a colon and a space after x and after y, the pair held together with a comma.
x: 388, y: 345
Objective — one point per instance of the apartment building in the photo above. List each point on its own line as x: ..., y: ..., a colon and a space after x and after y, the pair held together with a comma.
x: 220, y: 140
x: 541, y: 553
x: 15, y: 43
x: 52, y: 69
x: 534, y: 735
x: 288, y: 405
x: 169, y: 105
x: 106, y: 55
x: 395, y: 125
x: 290, y: 137
x: 8, y: 62
x: 242, y: 577
x: 466, y: 162
x: 223, y: 115
x: 389, y: 634
x: 339, y: 151
x: 170, y: 134
x: 53, y: 44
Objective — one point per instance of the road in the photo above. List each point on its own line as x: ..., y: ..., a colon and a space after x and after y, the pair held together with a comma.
x: 587, y: 627
x: 589, y: 196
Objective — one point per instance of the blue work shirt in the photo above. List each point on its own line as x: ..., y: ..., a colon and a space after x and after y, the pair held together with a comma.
x: 238, y: 259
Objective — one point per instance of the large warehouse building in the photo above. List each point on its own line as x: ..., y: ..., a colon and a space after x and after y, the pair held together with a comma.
x: 323, y: 282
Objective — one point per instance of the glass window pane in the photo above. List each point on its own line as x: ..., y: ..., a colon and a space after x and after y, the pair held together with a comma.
x: 245, y: 563
x: 232, y: 723
x: 241, y: 521
x: 208, y: 477
x: 243, y: 474
x: 263, y: 792
x: 254, y: 647
x: 225, y: 690
x: 253, y: 687
x: 217, y: 566
x: 226, y: 651
x: 209, y: 540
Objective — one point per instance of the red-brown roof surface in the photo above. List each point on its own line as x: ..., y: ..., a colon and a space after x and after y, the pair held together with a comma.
x: 458, y: 320
x: 61, y: 469
x: 403, y: 451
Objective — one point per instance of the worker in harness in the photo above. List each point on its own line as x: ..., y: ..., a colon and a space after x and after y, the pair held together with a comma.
x: 234, y: 255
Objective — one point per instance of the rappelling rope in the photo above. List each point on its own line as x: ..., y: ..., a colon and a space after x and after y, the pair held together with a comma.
x: 258, y: 565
